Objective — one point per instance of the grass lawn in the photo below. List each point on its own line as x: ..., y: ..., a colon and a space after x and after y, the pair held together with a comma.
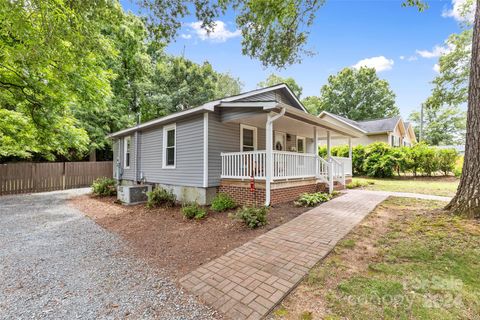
x: 406, y: 260
x: 439, y: 186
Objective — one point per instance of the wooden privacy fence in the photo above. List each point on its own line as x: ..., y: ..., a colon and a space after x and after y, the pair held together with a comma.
x: 48, y: 176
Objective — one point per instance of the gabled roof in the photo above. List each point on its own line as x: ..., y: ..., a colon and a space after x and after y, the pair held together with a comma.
x: 209, y: 106
x: 368, y: 126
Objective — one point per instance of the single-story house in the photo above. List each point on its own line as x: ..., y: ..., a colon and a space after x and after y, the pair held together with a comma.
x: 393, y: 131
x: 258, y: 146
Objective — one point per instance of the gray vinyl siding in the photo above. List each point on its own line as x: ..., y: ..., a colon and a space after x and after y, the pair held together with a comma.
x: 127, y: 173
x: 224, y: 137
x: 189, y: 154
x: 277, y: 95
x: 230, y: 114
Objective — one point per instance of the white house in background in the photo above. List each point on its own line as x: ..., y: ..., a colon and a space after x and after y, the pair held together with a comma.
x: 258, y: 146
x: 393, y: 131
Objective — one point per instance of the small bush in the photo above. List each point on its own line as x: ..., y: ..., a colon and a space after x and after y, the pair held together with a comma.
x: 223, y: 202
x: 193, y: 210
x: 446, y: 160
x: 457, y: 170
x: 358, y: 184
x: 160, y: 197
x: 104, y: 187
x: 312, y: 199
x: 253, y: 217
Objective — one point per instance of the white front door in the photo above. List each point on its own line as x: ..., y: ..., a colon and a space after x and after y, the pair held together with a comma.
x: 279, y: 142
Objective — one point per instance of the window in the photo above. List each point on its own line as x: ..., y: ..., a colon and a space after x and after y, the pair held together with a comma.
x: 248, y: 138
x: 127, y: 143
x: 301, y: 144
x: 169, y: 146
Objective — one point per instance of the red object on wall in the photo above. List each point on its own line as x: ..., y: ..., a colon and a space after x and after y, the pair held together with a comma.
x: 252, y: 184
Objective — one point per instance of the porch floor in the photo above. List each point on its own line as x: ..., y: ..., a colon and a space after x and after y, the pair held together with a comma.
x: 249, y: 281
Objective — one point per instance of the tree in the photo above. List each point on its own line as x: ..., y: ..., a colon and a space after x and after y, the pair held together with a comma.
x: 50, y: 63
x: 442, y: 126
x: 450, y: 87
x: 274, y: 32
x: 274, y: 79
x: 357, y: 95
x: 467, y: 198
x: 313, y: 104
x: 227, y: 85
x: 179, y: 84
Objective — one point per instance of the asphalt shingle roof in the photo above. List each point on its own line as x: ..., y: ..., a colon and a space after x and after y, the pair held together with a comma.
x: 371, y: 126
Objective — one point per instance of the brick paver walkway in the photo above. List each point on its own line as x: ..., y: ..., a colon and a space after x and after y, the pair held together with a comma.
x: 249, y: 281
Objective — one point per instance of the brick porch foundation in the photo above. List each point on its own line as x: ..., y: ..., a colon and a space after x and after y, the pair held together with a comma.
x: 281, y: 191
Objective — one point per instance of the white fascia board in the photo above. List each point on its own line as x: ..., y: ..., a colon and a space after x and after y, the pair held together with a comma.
x: 323, y: 113
x: 206, y: 107
x: 246, y: 104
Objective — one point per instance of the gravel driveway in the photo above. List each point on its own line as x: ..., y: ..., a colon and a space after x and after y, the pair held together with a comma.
x: 56, y: 263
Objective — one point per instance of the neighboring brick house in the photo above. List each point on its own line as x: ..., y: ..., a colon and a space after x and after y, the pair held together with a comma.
x: 393, y: 131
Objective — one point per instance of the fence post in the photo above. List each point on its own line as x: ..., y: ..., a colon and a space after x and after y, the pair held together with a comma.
x: 63, y: 177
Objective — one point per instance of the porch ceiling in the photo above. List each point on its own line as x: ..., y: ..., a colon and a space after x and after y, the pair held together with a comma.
x: 295, y: 122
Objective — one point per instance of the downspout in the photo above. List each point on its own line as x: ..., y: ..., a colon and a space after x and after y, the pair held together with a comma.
x: 269, y: 146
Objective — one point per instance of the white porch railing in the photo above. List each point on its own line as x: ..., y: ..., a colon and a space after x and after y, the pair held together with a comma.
x: 244, y: 165
x: 337, y: 170
x: 289, y: 165
x: 286, y: 165
x: 347, y: 164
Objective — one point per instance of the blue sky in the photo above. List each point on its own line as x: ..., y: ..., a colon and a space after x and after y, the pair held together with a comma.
x: 344, y: 33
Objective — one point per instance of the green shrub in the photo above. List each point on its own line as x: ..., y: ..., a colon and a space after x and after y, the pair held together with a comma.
x: 312, y: 199
x: 160, y: 197
x: 457, y: 170
x: 430, y: 163
x: 223, y: 202
x: 359, y: 183
x: 253, y: 217
x: 378, y: 160
x: 104, y: 187
x: 193, y: 210
x: 358, y: 158
x: 447, y: 159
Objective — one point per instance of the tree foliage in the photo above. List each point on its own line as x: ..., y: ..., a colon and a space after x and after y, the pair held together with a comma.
x: 441, y: 126
x: 274, y: 79
x: 357, y: 95
x: 50, y: 63
x: 274, y: 32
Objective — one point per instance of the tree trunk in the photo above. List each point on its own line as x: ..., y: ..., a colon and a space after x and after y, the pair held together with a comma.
x: 467, y: 199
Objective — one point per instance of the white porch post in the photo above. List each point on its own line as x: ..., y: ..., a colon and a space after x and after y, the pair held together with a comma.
x: 350, y: 147
x: 268, y: 157
x: 315, y: 150
x: 329, y: 144
x: 330, y: 163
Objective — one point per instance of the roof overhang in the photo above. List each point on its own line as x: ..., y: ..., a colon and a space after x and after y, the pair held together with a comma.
x: 201, y: 109
x: 316, y: 121
x: 325, y: 113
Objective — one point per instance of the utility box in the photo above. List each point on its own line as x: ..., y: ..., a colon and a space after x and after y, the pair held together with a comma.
x: 133, y: 194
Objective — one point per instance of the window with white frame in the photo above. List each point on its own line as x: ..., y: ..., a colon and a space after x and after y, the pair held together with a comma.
x: 169, y: 146
x: 301, y: 144
x: 127, y: 144
x: 248, y: 138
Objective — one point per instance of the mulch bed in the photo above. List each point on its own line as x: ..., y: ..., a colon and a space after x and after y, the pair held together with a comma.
x: 166, y: 240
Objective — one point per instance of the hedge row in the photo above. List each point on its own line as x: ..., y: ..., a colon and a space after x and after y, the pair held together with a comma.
x: 381, y: 160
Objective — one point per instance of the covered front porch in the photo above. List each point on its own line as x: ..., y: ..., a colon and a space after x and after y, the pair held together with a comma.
x: 288, y: 155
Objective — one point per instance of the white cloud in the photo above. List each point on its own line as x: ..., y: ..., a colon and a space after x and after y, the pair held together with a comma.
x: 460, y: 11
x: 436, y: 68
x: 412, y: 58
x: 436, y: 52
x: 220, y: 32
x: 380, y: 63
x: 185, y: 36
x: 402, y: 57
